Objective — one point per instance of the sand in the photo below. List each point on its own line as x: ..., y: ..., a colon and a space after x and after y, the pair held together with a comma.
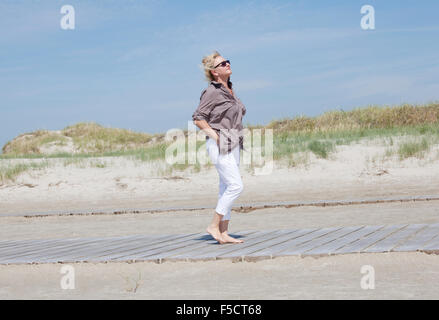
x: 353, y: 171
x: 172, y: 222
x: 396, y: 276
x: 357, y: 171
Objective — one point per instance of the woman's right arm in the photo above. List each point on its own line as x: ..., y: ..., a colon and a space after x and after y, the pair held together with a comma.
x: 201, y: 115
x: 204, y: 126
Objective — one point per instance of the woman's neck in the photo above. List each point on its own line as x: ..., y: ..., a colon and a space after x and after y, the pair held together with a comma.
x: 224, y: 82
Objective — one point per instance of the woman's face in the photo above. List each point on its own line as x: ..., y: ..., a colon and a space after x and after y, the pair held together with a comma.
x: 223, y: 72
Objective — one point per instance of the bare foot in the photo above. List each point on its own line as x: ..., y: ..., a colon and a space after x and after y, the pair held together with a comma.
x: 230, y: 239
x: 216, y: 234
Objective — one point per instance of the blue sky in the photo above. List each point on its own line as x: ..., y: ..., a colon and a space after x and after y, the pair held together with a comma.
x: 136, y: 64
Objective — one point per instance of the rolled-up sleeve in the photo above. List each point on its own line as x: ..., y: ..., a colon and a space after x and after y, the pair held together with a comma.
x: 207, y: 102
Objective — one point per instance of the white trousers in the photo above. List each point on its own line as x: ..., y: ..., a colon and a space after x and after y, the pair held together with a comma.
x: 230, y: 183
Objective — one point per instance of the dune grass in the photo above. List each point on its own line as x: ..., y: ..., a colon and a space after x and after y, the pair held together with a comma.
x: 293, y: 139
x: 85, y: 138
x: 82, y: 163
x: 10, y: 172
x: 414, y: 148
x: 323, y: 143
x: 361, y: 118
x: 92, y: 137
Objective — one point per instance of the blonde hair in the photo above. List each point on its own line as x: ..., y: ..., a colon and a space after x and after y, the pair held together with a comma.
x: 209, y: 64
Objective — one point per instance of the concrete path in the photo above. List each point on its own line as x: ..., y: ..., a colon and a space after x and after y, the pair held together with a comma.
x: 266, y: 244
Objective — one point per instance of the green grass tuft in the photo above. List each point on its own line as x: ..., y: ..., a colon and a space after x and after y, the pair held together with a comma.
x: 413, y: 149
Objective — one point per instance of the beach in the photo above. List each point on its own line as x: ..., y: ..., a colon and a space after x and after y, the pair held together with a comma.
x: 96, y: 194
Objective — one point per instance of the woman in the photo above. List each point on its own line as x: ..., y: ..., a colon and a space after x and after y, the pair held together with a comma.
x: 219, y: 115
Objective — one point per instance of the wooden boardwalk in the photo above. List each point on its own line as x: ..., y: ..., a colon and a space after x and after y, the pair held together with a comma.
x: 265, y: 244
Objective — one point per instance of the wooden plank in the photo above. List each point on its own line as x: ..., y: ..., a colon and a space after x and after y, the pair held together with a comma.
x: 214, y: 247
x: 419, y: 239
x: 208, y: 246
x: 193, y: 249
x: 303, y: 236
x: 282, y: 237
x: 278, y: 250
x: 395, y: 239
x: 433, y: 244
x: 315, y: 243
x: 332, y: 246
x: 36, y: 255
x: 5, y: 244
x: 284, y: 242
x: 57, y: 247
x: 215, y: 250
x: 23, y: 245
x: 202, y: 246
x: 11, y: 245
x: 227, y: 249
x: 124, y: 246
x: 80, y: 247
x: 29, y: 245
x: 266, y: 252
x: 114, y: 246
x: 158, y: 247
x: 257, y: 240
x: 33, y: 246
x: 146, y: 253
x: 363, y: 243
x: 31, y: 249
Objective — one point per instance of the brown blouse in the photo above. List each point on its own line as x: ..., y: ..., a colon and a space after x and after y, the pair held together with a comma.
x: 223, y: 112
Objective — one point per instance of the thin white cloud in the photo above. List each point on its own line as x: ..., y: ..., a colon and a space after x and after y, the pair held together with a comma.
x: 20, y: 23
x: 170, y: 106
x: 29, y: 21
x: 414, y: 29
x: 376, y: 85
x: 291, y: 37
x: 252, y: 85
x: 136, y: 53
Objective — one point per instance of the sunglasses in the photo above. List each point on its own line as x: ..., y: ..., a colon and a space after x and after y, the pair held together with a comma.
x: 222, y: 64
